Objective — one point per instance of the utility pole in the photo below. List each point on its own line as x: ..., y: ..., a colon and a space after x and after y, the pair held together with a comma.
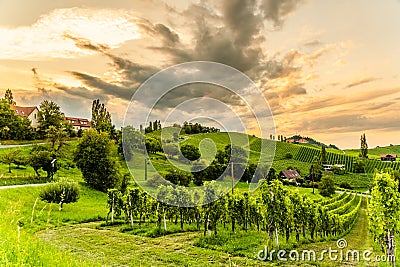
x: 145, y: 168
x: 233, y: 179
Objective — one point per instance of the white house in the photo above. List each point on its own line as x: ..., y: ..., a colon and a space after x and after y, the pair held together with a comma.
x: 79, y: 123
x: 29, y: 112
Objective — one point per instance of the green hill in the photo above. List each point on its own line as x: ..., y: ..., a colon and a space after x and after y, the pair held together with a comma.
x: 301, y: 153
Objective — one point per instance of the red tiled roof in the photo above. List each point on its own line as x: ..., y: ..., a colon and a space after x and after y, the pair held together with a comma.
x: 81, y: 122
x: 290, y: 174
x: 23, y: 111
x: 302, y: 140
x: 386, y: 155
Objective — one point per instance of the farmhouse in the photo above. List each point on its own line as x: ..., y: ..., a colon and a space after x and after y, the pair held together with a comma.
x: 388, y: 157
x: 289, y: 174
x: 302, y: 141
x: 29, y: 112
x: 78, y: 123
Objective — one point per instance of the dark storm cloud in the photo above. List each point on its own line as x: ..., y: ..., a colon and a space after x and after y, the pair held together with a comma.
x: 294, y: 90
x: 84, y: 43
x: 83, y: 92
x: 233, y: 35
x: 133, y: 73
x: 362, y: 81
x: 277, y: 10
x: 104, y: 87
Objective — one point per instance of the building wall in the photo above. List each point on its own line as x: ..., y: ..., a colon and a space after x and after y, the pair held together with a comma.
x: 34, y: 119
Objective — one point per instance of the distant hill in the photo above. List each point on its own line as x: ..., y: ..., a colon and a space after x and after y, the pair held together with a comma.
x: 300, y: 153
x: 311, y: 141
x: 377, y: 151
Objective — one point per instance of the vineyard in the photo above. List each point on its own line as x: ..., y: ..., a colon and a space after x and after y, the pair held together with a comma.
x: 281, y: 214
x: 302, y: 153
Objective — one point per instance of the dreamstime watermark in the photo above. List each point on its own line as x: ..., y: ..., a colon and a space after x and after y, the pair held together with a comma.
x: 209, y: 91
x: 340, y: 253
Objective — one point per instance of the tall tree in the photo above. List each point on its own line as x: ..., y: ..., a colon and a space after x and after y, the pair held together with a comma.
x: 364, y: 147
x: 323, y: 155
x: 384, y: 212
x: 56, y: 136
x: 49, y: 115
x: 8, y: 96
x: 315, y: 172
x: 97, y: 157
x: 101, y: 118
x: 13, y: 126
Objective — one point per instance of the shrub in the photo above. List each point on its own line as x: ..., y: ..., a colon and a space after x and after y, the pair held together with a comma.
x: 337, y: 170
x: 288, y: 155
x: 62, y: 192
x: 156, y: 181
x: 345, y: 185
x: 326, y: 186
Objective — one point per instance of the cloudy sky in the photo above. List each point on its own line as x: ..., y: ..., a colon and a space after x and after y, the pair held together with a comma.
x: 328, y: 69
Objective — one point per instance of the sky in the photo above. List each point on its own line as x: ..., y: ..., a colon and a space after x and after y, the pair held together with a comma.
x: 328, y: 69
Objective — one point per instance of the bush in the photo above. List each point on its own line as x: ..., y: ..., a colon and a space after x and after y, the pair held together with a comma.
x: 337, y: 170
x: 288, y: 155
x: 62, y: 192
x: 156, y: 181
x: 97, y: 157
x: 326, y: 186
x: 345, y: 185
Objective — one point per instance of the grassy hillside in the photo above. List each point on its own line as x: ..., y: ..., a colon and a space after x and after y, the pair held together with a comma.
x: 375, y: 152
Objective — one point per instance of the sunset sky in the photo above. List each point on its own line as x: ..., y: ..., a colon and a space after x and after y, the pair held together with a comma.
x: 328, y: 69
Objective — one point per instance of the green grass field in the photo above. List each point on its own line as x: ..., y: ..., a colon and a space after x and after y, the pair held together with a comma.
x: 35, y: 233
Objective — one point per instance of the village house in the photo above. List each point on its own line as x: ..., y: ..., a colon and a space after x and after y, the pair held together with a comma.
x: 388, y: 157
x: 30, y: 112
x: 78, y: 123
x: 289, y: 174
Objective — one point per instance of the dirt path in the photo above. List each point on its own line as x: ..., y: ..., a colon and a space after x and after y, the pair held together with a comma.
x: 20, y: 185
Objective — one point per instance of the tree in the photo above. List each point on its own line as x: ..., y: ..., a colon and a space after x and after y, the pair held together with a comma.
x: 13, y: 126
x: 49, y: 115
x: 364, y: 147
x: 326, y: 186
x: 56, y: 136
x: 8, y: 96
x: 323, y: 155
x: 190, y: 152
x: 315, y: 172
x: 97, y: 158
x: 275, y: 205
x: 359, y: 166
x: 129, y: 139
x: 69, y: 129
x: 101, y: 118
x: 10, y: 157
x: 171, y: 150
x: 384, y: 212
x: 272, y: 175
x: 153, y: 145
x: 40, y: 158
x: 178, y: 178
x: 62, y: 192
